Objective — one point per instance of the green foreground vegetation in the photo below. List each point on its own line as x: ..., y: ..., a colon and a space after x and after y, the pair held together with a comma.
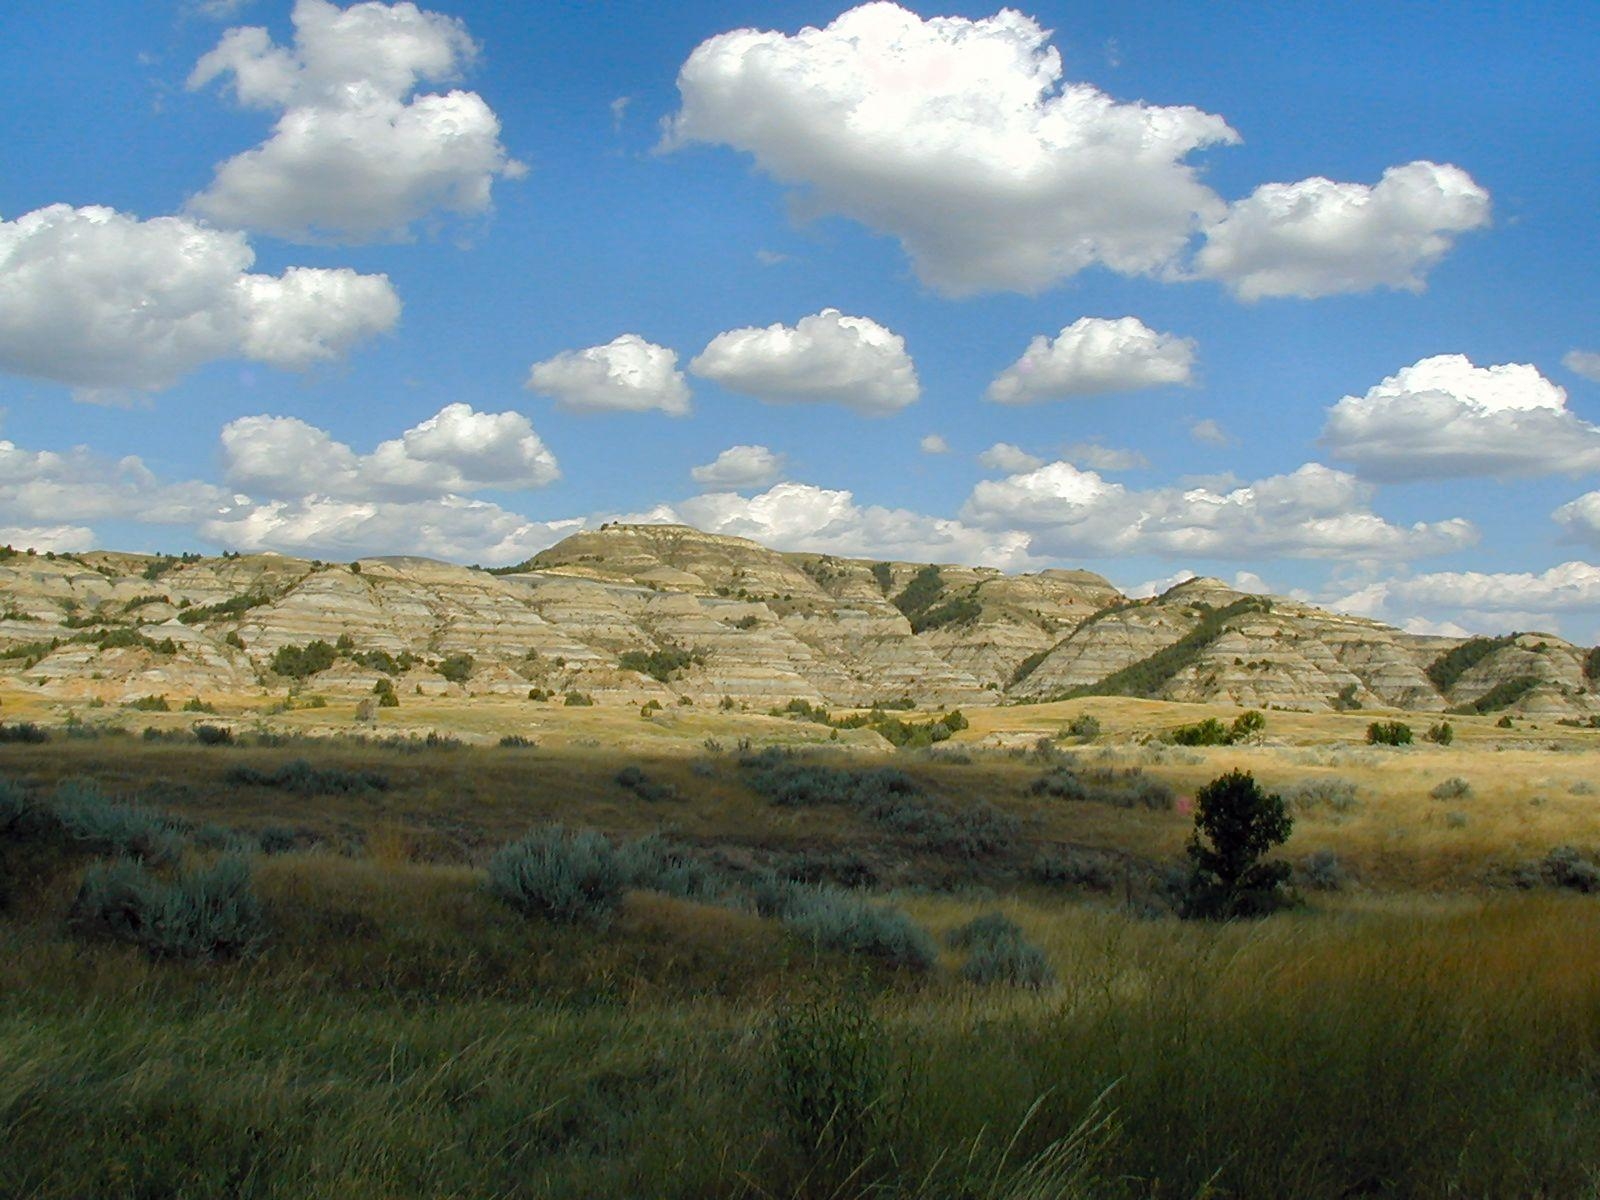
x: 332, y: 970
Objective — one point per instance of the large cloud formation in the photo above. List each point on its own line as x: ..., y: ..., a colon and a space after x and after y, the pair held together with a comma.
x: 99, y: 299
x: 1320, y: 238
x: 1094, y: 355
x: 456, y: 450
x: 627, y: 374
x: 354, y: 156
x: 800, y: 516
x: 1313, y: 512
x: 958, y: 138
x: 1482, y: 600
x: 1444, y: 417
x: 828, y: 357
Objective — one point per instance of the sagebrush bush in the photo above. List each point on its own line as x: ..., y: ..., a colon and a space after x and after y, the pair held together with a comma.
x: 301, y: 778
x: 1128, y: 787
x: 1332, y: 792
x: 997, y: 952
x: 1454, y: 788
x: 1566, y: 867
x: 563, y: 875
x: 834, y: 920
x: 1322, y: 871
x: 652, y: 864
x: 1074, y: 868
x: 206, y: 913
x: 107, y: 826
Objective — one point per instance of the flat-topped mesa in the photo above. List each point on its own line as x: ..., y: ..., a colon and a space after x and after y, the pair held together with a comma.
x: 632, y: 612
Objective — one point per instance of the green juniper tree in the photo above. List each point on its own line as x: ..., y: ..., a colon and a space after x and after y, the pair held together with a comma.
x: 1235, y: 823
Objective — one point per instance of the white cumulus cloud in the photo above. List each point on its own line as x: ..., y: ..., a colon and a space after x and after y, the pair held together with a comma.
x: 1313, y: 512
x: 455, y: 451
x: 1012, y: 460
x: 934, y: 443
x: 1580, y: 518
x: 449, y: 527
x: 627, y: 374
x: 1444, y: 417
x: 959, y: 138
x: 67, y: 539
x: 740, y: 467
x: 99, y: 299
x: 799, y: 516
x: 1209, y: 432
x: 355, y: 156
x: 1582, y: 362
x: 827, y: 357
x: 1320, y: 238
x: 1102, y: 458
x: 1482, y: 601
x: 1094, y: 355
x: 44, y: 489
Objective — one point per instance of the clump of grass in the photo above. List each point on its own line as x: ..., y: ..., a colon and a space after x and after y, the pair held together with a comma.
x: 1074, y: 868
x: 207, y: 913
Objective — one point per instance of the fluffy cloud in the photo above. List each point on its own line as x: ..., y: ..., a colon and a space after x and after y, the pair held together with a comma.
x: 46, y: 497
x: 934, y: 443
x: 1444, y: 417
x: 455, y: 451
x: 1580, y: 518
x: 1013, y: 460
x: 1313, y: 512
x: 1095, y: 355
x: 1582, y: 362
x: 60, y: 538
x: 449, y: 527
x: 959, y: 138
x: 354, y: 156
x: 852, y: 361
x: 1320, y: 238
x: 1484, y: 601
x: 627, y: 374
x: 798, y: 516
x: 99, y: 299
x: 740, y: 467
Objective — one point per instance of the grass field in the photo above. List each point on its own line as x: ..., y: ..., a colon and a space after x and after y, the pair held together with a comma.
x: 1428, y: 1027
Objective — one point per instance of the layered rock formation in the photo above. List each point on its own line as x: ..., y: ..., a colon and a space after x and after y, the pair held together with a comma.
x: 633, y: 613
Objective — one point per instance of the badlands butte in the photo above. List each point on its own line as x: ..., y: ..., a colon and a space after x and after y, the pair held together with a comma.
x: 627, y: 614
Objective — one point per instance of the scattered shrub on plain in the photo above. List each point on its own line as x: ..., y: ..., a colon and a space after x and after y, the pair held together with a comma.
x: 1440, y: 734
x: 570, y: 876
x: 1084, y: 725
x: 205, y: 913
x: 1128, y: 787
x: 1322, y: 871
x: 1454, y: 788
x: 1388, y: 733
x: 1075, y: 869
x: 1331, y: 792
x: 301, y: 778
x: 213, y: 735
x: 23, y: 731
x: 832, y: 919
x: 1567, y: 867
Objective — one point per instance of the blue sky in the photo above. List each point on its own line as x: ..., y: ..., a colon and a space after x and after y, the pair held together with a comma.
x: 1300, y: 296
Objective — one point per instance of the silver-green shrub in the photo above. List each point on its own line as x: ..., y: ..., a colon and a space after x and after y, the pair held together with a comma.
x: 563, y: 875
x: 207, y: 913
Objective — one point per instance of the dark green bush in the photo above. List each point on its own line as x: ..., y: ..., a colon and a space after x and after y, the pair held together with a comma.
x: 830, y: 1075
x: 1084, y: 725
x: 23, y: 731
x: 1235, y: 824
x: 302, y: 662
x: 1388, y: 733
x: 457, y: 668
x: 213, y: 735
x: 1440, y: 734
x: 562, y: 875
x: 207, y: 913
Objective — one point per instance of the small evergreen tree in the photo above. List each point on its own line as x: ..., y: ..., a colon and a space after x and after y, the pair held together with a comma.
x: 1235, y: 824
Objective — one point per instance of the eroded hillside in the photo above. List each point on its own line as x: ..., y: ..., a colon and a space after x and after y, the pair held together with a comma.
x: 634, y: 613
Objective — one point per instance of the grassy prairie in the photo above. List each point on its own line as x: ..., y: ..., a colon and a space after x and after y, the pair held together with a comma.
x: 1427, y: 1030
